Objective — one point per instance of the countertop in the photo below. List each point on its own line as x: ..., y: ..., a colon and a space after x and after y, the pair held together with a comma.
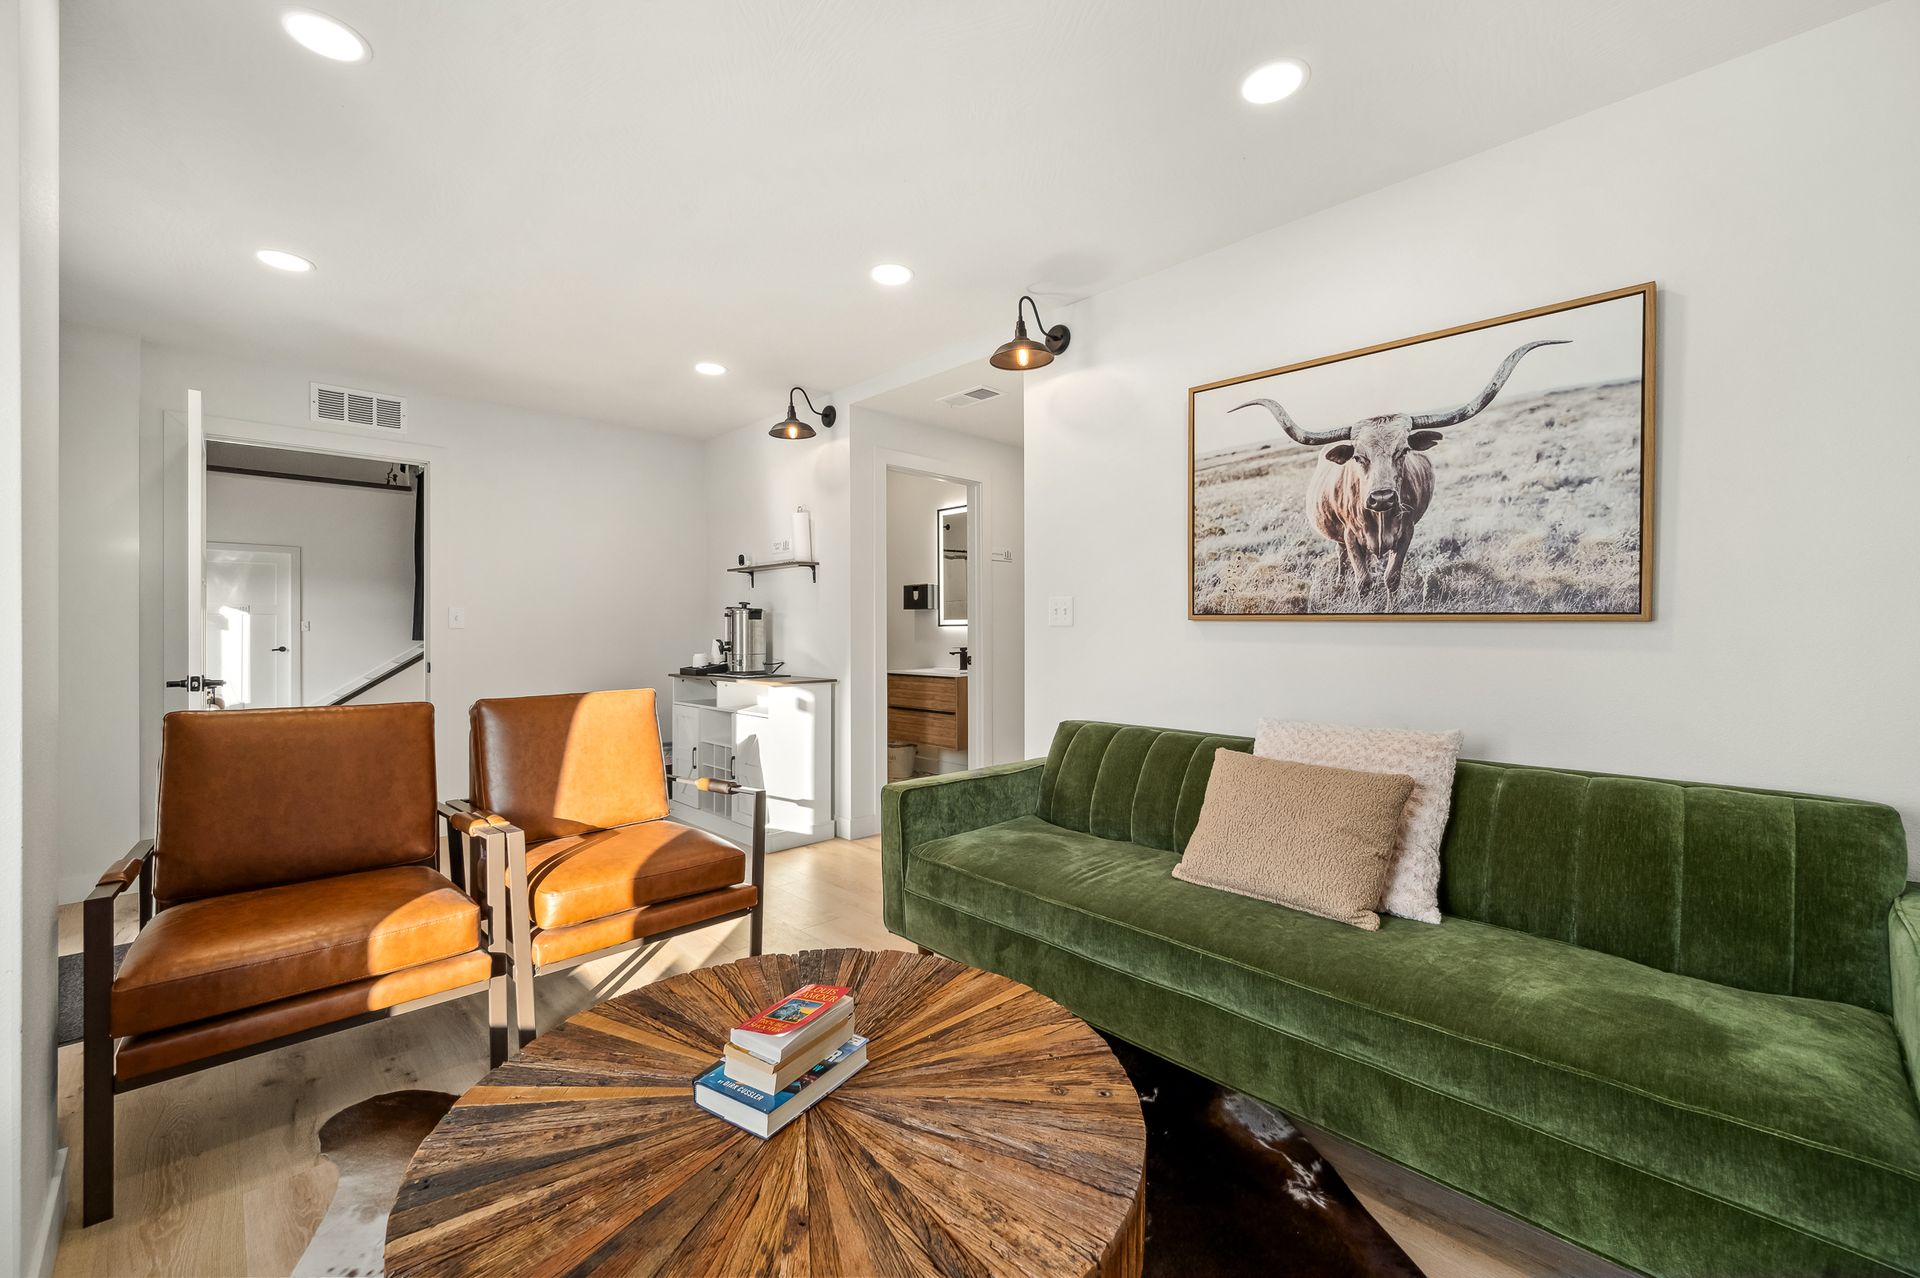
x: 725, y: 677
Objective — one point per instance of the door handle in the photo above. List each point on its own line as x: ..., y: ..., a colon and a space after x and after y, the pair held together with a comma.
x: 281, y: 648
x: 191, y: 683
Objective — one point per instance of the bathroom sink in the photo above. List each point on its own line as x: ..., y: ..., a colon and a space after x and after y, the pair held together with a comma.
x: 945, y: 672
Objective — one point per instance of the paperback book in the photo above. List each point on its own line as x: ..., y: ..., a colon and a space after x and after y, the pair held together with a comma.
x: 764, y: 1113
x: 744, y: 1067
x: 781, y: 1031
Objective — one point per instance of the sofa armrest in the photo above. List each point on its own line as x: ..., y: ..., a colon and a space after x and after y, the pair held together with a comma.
x: 916, y: 812
x: 1903, y: 936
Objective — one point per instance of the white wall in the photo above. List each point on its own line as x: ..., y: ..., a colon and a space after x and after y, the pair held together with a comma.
x: 915, y: 638
x: 99, y: 784
x: 31, y: 1173
x: 1773, y: 199
x: 565, y: 541
x: 753, y: 484
x: 356, y: 567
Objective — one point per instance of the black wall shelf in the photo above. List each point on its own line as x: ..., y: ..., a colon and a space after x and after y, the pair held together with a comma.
x: 811, y: 565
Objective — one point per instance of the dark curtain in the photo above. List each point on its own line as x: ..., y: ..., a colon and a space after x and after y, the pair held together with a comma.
x: 420, y: 554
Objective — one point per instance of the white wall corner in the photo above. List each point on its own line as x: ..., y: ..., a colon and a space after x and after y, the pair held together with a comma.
x: 46, y: 1241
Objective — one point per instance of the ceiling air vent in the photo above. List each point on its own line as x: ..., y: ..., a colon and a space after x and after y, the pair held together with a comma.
x: 971, y: 395
x: 351, y: 407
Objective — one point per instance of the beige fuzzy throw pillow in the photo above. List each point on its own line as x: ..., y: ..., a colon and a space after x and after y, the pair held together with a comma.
x: 1413, y: 892
x: 1317, y: 839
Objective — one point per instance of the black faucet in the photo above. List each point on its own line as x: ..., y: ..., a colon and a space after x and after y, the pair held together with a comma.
x: 966, y: 661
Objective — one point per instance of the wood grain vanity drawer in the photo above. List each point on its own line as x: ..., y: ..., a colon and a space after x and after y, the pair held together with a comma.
x: 926, y: 692
x: 925, y: 727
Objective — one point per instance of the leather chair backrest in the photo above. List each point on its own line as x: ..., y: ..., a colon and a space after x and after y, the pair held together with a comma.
x: 251, y: 798
x: 1758, y: 889
x: 570, y: 763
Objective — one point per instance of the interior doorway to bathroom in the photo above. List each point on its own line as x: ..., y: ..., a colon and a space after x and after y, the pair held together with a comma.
x: 930, y: 651
x: 941, y: 468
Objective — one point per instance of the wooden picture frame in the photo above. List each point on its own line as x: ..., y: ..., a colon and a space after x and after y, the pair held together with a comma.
x: 1302, y: 528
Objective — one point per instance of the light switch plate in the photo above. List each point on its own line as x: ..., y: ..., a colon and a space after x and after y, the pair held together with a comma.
x: 782, y: 546
x: 456, y: 618
x: 1060, y: 610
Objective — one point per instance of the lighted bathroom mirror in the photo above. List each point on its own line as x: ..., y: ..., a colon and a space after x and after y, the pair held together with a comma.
x: 950, y: 535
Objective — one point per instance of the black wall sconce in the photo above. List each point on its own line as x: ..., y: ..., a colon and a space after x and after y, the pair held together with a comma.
x: 792, y: 427
x: 1023, y: 353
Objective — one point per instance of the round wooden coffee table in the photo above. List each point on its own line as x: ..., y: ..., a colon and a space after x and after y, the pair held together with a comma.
x: 991, y: 1132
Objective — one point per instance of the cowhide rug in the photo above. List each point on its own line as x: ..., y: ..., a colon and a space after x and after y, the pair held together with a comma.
x: 1233, y: 1188
x: 370, y: 1145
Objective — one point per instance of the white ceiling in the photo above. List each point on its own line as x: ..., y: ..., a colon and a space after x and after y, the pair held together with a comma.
x: 565, y: 204
x: 1000, y: 420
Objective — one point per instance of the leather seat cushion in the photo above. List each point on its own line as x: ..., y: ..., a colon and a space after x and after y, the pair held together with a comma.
x: 588, y: 876
x: 224, y: 953
x: 171, y: 1048
x: 555, y: 945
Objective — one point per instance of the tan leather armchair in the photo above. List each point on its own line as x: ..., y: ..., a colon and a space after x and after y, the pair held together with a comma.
x: 573, y: 792
x: 296, y: 886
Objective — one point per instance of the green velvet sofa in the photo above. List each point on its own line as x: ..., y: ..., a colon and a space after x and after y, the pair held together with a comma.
x: 1677, y: 1025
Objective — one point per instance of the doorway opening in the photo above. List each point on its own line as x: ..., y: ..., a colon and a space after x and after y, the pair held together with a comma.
x: 313, y: 578
x: 930, y: 642
x: 945, y: 488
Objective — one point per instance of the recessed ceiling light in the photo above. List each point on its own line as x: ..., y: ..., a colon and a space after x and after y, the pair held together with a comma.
x: 328, y: 37
x: 283, y: 261
x: 708, y: 368
x: 1274, y: 81
x: 892, y: 274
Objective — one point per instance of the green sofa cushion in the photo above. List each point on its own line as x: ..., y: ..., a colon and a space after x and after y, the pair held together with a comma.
x: 1780, y: 893
x: 1903, y: 935
x: 1795, y: 1109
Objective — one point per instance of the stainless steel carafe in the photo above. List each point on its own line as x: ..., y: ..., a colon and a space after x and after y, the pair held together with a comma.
x: 749, y: 638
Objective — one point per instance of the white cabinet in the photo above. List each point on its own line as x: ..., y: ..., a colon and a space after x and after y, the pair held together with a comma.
x: 771, y: 733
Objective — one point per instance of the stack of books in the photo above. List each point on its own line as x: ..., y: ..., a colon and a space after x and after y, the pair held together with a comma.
x: 780, y: 1061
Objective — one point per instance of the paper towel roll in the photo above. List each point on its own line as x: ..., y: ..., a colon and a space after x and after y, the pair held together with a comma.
x: 802, y: 534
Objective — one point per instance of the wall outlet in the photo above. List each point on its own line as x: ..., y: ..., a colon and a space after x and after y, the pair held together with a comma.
x: 456, y: 618
x: 783, y: 545
x: 1060, y: 610
x: 1003, y: 556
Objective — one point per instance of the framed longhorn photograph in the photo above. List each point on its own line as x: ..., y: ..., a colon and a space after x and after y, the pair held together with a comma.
x: 1497, y: 471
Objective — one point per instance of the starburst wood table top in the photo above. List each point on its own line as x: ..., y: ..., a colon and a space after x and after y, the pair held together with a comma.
x: 991, y: 1132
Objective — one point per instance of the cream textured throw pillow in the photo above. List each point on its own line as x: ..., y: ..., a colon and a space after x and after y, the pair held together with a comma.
x: 1428, y: 757
x: 1317, y: 839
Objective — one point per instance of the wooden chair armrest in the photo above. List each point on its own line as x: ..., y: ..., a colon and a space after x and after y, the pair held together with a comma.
x: 473, y: 821
x: 757, y: 869
x: 122, y: 874
x: 462, y: 815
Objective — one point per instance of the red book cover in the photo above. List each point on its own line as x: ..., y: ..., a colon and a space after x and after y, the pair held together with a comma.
x: 800, y: 1008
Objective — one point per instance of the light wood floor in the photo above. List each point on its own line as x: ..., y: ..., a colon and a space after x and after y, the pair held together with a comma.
x: 221, y: 1173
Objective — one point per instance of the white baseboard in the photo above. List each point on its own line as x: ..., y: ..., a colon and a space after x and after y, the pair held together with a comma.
x: 48, y: 1240
x: 861, y: 827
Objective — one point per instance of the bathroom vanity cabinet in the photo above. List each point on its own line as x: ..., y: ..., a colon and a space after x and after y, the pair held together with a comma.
x: 928, y: 708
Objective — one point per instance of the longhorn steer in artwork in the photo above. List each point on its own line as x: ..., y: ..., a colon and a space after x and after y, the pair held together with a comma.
x: 1372, y: 485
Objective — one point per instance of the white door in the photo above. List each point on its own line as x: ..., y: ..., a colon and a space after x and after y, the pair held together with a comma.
x: 183, y: 547
x: 253, y: 625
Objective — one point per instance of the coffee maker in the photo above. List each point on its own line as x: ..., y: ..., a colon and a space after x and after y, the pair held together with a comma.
x: 748, y: 644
